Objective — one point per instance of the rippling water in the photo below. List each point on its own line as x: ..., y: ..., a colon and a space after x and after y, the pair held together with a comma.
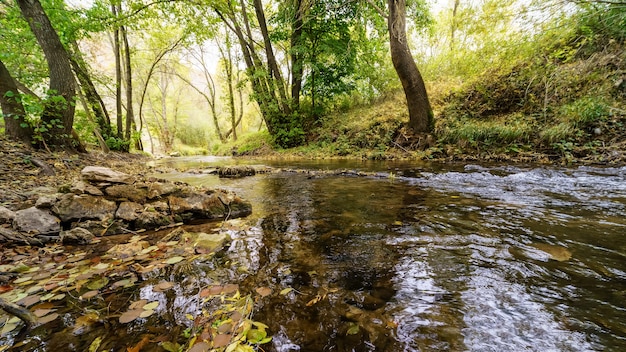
x: 432, y: 258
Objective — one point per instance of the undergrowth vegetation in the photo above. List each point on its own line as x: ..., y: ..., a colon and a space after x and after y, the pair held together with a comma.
x: 556, y: 95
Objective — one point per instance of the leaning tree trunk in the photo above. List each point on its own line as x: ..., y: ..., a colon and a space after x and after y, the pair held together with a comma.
x: 15, y: 126
x: 420, y: 111
x: 58, y: 114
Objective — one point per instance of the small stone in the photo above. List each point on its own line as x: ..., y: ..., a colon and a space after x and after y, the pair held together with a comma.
x: 81, y: 187
x: 76, y: 236
x: 47, y: 201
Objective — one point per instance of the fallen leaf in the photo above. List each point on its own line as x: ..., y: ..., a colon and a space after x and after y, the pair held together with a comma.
x: 146, y: 313
x: 286, y: 291
x: 89, y: 294
x: 173, y: 260
x: 222, y: 340
x: 264, y: 291
x: 200, y: 347
x: 151, y: 305
x: 48, y: 318
x: 130, y: 315
x: 138, y: 304
x: 163, y: 286
x: 95, y: 344
x: 97, y: 283
x: 41, y: 312
x: 30, y: 300
x: 230, y: 288
x: 141, y: 344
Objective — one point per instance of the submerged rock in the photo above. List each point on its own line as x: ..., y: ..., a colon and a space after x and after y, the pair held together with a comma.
x: 76, y: 236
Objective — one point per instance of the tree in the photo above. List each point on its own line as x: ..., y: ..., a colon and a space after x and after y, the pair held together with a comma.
x: 13, y: 112
x: 58, y: 113
x: 420, y: 111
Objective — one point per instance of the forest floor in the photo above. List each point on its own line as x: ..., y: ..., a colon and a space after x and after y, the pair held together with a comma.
x: 25, y: 172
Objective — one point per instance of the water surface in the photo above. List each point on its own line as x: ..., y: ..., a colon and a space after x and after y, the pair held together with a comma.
x: 420, y: 257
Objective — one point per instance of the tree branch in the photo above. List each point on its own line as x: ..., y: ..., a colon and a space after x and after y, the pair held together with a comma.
x: 378, y: 9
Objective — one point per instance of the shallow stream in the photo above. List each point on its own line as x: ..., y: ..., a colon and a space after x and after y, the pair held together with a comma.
x: 404, y: 257
x: 421, y: 257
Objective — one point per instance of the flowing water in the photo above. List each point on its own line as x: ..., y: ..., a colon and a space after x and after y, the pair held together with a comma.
x: 372, y: 256
x: 420, y: 257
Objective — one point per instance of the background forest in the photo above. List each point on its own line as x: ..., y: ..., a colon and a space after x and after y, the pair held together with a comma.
x: 512, y: 77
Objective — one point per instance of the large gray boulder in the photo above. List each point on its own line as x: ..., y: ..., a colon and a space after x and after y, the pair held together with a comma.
x: 36, y: 221
x: 104, y: 174
x: 73, y: 207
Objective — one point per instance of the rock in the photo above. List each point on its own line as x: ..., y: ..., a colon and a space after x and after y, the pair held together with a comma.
x: 76, y: 236
x: 84, y: 207
x: 127, y: 192
x: 152, y: 219
x: 198, y: 205
x: 128, y: 211
x: 557, y: 253
x: 208, y: 243
x: 101, y: 228
x: 104, y: 174
x: 6, y: 215
x: 36, y: 221
x: 11, y: 236
x: 47, y: 201
x: 81, y: 187
x: 158, y: 190
x: 235, y: 171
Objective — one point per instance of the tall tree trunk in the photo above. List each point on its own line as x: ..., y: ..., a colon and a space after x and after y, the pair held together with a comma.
x: 420, y: 111
x: 454, y: 25
x: 58, y: 115
x: 15, y: 126
x: 276, y: 79
x: 297, y: 62
x: 92, y: 97
x: 118, y: 75
x: 130, y: 117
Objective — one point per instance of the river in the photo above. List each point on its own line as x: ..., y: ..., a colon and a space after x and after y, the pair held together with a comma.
x: 431, y: 257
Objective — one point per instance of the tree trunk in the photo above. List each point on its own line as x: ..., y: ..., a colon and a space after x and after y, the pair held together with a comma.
x: 94, y: 101
x: 130, y: 117
x: 58, y: 114
x: 15, y: 126
x: 118, y: 76
x: 420, y: 111
x: 297, y: 64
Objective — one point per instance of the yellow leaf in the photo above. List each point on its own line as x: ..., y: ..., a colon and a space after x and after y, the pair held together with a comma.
x: 151, y: 305
x: 95, y: 344
x: 286, y: 291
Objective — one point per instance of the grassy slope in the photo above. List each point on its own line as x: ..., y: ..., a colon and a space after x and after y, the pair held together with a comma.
x: 548, y: 109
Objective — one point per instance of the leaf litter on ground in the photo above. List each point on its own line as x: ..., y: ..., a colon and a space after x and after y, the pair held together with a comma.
x: 46, y: 277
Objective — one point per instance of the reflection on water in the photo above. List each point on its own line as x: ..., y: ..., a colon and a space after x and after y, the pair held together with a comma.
x: 465, y: 258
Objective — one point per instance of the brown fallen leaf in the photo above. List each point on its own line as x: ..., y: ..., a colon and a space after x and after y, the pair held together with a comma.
x: 264, y: 291
x: 48, y: 318
x: 130, y: 315
x: 141, y: 344
x: 222, y: 340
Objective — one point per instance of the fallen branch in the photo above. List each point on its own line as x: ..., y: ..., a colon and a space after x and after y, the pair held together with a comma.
x: 25, y: 315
